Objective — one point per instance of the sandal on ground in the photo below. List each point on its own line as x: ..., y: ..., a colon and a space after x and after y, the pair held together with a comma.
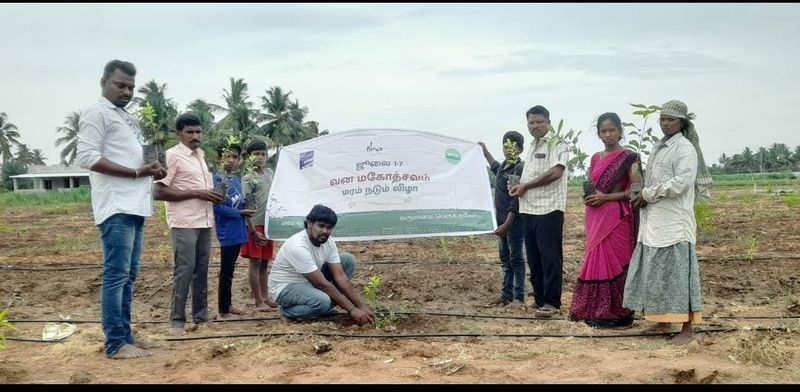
x: 546, y: 311
x: 515, y: 304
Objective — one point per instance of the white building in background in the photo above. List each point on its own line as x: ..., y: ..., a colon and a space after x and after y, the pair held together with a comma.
x: 52, y: 178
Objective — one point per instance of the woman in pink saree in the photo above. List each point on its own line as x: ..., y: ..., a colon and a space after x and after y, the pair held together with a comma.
x: 611, y: 228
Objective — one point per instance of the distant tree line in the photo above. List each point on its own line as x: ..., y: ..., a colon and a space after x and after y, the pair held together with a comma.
x: 777, y: 158
x: 275, y: 118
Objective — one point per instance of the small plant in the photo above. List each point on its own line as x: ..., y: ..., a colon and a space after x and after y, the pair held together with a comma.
x: 252, y: 184
x: 227, y: 150
x: 385, y: 315
x: 704, y: 215
x: 162, y: 216
x: 4, y: 324
x: 445, y: 251
x: 372, y: 288
x: 570, y: 139
x: 250, y: 164
x: 752, y: 247
x: 386, y: 319
x: 154, y: 150
x: 164, y: 253
x: 149, y: 115
x: 512, y: 150
x: 229, y: 141
x: 643, y: 136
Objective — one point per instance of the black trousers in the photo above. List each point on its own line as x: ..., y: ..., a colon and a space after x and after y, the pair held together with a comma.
x: 543, y: 245
x: 228, y: 254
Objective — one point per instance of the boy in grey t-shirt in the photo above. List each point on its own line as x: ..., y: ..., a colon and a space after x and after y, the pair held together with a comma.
x: 258, y: 248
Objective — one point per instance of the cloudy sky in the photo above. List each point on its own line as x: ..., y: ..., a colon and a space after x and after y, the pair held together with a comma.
x: 465, y: 70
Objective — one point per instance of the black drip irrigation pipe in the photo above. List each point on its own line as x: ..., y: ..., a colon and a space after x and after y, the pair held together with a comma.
x: 385, y: 262
x: 428, y: 335
x: 465, y: 315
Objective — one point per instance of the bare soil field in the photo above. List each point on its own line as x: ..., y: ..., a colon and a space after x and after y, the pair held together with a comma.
x: 749, y: 246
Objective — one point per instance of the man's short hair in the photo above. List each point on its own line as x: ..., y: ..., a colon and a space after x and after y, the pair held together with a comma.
x: 538, y: 109
x: 187, y: 120
x: 516, y: 137
x: 323, y: 214
x: 256, y: 145
x: 123, y: 66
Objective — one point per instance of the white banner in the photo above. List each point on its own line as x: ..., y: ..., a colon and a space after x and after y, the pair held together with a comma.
x: 383, y: 183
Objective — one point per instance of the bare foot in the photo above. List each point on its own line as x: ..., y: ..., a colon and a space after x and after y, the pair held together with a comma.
x: 271, y: 303
x: 682, y: 339
x: 236, y: 310
x: 659, y: 328
x: 228, y: 316
x: 130, y: 351
x: 263, y: 307
x: 144, y: 344
x: 176, y: 331
x: 515, y: 304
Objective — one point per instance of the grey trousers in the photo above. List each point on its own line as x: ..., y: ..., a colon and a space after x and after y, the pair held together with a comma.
x: 190, y: 250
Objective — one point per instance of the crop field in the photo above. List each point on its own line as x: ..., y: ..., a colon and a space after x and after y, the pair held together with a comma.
x: 434, y: 325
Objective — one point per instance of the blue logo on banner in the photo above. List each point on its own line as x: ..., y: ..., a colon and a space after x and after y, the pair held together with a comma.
x: 306, y: 159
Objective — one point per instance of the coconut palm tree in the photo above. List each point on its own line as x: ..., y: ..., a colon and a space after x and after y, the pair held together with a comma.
x: 204, y: 111
x: 38, y: 157
x: 241, y: 119
x: 796, y: 157
x: 211, y: 136
x: 8, y: 137
x: 284, y: 117
x: 158, y: 129
x: 24, y: 155
x: 70, y: 139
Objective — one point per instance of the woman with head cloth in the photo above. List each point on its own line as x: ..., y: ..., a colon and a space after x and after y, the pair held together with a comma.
x: 610, y: 231
x: 664, y: 276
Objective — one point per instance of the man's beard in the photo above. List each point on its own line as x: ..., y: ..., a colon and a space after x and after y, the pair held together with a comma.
x: 317, y: 242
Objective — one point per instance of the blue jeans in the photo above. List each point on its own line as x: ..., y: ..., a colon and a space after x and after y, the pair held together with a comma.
x: 121, y: 236
x: 513, y: 262
x: 304, y: 301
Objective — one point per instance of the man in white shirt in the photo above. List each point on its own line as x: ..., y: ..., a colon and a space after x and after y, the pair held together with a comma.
x: 542, y: 193
x: 310, y: 277
x: 110, y: 145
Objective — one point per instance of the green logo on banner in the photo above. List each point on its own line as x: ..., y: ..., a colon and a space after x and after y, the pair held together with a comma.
x: 453, y: 156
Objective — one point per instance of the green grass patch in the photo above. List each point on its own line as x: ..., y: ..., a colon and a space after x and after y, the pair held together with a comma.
x: 752, y: 176
x: 704, y: 215
x: 791, y: 200
x: 65, y: 209
x: 761, y: 183
x: 8, y: 228
x: 15, y: 199
x: 71, y: 243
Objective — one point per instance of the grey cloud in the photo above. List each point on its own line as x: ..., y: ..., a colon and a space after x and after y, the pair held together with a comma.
x: 305, y: 19
x: 615, y: 62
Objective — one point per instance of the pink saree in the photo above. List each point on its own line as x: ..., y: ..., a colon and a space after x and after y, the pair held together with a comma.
x: 610, y: 240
